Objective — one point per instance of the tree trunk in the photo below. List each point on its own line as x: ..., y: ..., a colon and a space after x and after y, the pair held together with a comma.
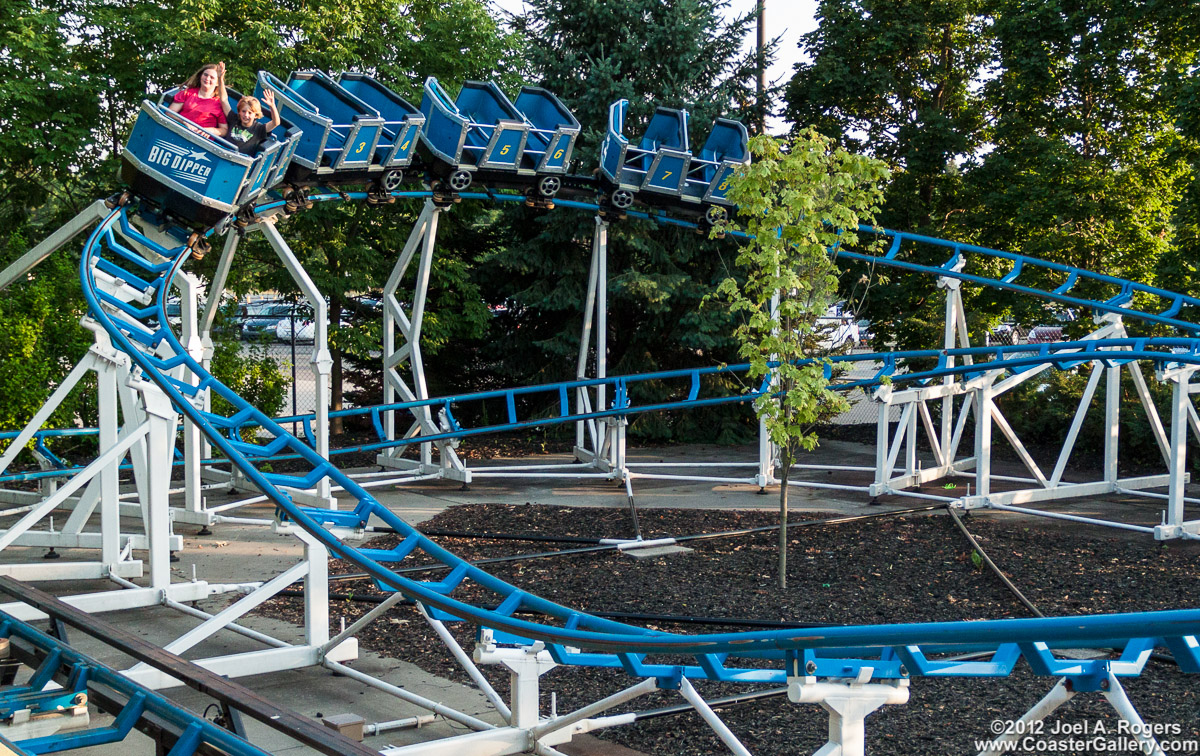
x: 783, y: 523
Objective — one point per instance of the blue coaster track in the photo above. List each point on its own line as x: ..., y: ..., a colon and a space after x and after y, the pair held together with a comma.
x: 574, y: 637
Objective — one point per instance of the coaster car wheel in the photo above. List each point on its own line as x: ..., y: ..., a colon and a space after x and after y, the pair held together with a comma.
x: 715, y: 215
x: 622, y: 199
x: 548, y: 186
x: 459, y: 180
x: 391, y: 180
x: 120, y: 199
x: 199, y: 246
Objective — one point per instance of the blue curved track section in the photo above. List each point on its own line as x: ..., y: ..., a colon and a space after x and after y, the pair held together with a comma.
x: 575, y: 637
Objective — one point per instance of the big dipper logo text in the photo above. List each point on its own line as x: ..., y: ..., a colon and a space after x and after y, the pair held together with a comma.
x: 184, y: 164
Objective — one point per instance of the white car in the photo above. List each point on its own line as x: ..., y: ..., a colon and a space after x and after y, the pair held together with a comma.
x: 305, y: 330
x: 838, y: 328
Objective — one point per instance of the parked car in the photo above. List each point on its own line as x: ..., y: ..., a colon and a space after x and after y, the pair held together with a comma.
x: 1048, y: 332
x: 837, y: 328
x: 260, y: 318
x: 306, y: 329
x: 1004, y: 334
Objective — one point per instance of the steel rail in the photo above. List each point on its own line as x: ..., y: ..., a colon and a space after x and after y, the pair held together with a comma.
x: 617, y: 641
x: 282, y: 720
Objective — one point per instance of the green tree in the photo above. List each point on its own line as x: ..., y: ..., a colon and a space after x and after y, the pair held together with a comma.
x: 591, y: 53
x: 899, y: 81
x: 1086, y: 168
x: 798, y: 205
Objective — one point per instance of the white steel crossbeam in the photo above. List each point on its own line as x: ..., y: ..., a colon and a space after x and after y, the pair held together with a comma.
x: 407, y: 326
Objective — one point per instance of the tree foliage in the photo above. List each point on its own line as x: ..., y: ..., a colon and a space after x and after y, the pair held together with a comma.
x: 591, y: 53
x: 75, y: 72
x: 798, y: 205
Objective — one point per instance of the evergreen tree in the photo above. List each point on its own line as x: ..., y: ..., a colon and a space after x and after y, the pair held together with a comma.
x: 591, y: 53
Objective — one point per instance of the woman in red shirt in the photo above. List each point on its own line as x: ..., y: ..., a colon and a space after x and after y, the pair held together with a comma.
x: 202, y: 99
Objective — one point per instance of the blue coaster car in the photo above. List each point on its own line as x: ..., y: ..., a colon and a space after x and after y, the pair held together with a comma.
x: 191, y: 175
x: 708, y: 175
x: 401, y: 126
x: 338, y: 131
x: 661, y: 169
x: 552, y: 133
x: 483, y: 135
x: 658, y: 165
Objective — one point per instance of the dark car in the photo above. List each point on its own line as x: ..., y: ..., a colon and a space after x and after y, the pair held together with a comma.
x: 259, y: 318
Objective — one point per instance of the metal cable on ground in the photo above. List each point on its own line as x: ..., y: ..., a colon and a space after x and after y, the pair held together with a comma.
x: 992, y: 565
x: 678, y: 619
x: 614, y: 547
x: 1156, y: 655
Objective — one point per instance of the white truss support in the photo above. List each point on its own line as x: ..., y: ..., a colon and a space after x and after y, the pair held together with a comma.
x: 932, y: 434
x: 578, y: 719
x: 1058, y: 695
x: 322, y: 361
x: 1108, y: 331
x: 160, y: 446
x: 52, y: 243
x: 1115, y: 695
x: 1076, y: 423
x: 964, y: 412
x: 984, y: 405
x: 193, y: 439
x: 1156, y: 424
x: 316, y: 600
x: 1015, y: 442
x: 128, y: 438
x: 711, y: 719
x: 589, y: 439
x: 40, y: 417
x: 233, y: 612
x: 848, y: 704
x: 465, y: 662
x: 1061, y: 693
x: 1173, y: 524
x: 525, y: 666
x: 884, y: 465
x: 396, y: 322
x: 1112, y: 424
x: 133, y: 412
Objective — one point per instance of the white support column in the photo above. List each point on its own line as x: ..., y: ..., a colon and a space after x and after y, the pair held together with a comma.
x: 190, y: 338
x: 1178, y: 462
x: 1112, y: 424
x: 983, y: 442
x: 396, y: 322
x: 614, y: 439
x: 526, y: 666
x: 316, y: 593
x: 882, y: 439
x: 322, y: 362
x: 160, y: 445
x: 588, y: 430
x: 848, y: 704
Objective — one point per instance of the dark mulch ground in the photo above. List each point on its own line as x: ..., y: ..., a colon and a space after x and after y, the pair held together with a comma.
x: 915, y: 568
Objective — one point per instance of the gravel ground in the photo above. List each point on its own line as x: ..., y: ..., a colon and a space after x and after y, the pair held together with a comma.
x: 914, y: 568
